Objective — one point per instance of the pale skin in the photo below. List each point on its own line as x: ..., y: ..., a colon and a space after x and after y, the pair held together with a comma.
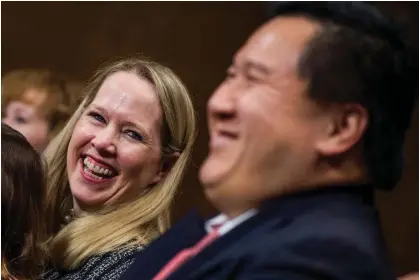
x: 122, y: 100
x: 120, y: 131
x: 24, y: 116
x: 412, y: 276
x: 267, y: 137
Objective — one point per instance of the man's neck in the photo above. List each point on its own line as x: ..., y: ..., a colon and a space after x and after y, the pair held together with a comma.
x: 344, y: 172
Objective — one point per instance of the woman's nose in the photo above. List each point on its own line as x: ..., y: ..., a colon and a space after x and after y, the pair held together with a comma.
x: 104, y: 141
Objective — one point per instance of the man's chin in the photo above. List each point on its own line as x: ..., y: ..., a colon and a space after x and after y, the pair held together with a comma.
x: 209, y: 172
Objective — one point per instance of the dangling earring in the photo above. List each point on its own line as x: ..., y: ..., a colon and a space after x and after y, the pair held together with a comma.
x: 70, y: 216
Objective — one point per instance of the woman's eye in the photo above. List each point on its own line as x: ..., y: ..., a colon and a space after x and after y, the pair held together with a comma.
x: 97, y: 117
x: 134, y: 135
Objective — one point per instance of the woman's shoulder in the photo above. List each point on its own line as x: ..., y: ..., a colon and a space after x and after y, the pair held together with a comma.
x: 108, y: 266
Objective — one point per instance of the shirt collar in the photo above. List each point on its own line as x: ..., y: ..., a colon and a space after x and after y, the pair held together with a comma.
x: 225, y: 224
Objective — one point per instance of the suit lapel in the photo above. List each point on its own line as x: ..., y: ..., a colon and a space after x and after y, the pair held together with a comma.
x: 249, y: 229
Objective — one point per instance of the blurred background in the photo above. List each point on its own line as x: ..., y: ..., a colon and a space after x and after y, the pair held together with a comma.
x: 197, y: 40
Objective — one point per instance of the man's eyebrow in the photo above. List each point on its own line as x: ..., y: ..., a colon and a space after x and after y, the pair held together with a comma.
x: 251, y: 65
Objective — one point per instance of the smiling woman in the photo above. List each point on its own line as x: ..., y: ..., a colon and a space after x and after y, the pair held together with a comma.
x: 115, y: 168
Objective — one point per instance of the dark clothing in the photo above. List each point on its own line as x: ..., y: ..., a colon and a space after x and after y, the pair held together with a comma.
x: 330, y: 233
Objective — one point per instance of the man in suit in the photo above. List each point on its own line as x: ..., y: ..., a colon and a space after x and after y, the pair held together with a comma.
x: 310, y: 119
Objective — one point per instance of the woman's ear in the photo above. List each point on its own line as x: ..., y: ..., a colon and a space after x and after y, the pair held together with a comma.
x: 166, y: 165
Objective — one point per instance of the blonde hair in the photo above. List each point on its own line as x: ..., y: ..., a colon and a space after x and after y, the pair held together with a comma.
x: 137, y: 222
x: 58, y: 103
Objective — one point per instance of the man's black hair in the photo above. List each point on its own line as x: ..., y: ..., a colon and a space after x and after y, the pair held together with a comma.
x: 360, y: 57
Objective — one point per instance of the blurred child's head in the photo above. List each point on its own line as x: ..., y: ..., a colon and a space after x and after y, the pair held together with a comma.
x: 36, y: 103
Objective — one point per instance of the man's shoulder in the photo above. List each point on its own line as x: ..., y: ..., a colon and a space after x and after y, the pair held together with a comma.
x: 329, y: 244
x: 326, y: 227
x: 339, y: 217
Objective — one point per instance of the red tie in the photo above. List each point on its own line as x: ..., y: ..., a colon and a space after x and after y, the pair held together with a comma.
x: 186, y: 254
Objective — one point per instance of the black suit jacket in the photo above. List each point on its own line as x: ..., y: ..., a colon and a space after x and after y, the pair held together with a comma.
x: 332, y: 233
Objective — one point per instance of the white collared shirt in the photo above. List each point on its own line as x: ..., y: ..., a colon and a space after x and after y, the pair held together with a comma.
x: 228, y: 224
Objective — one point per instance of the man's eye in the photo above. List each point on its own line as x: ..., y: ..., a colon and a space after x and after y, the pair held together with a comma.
x: 251, y: 78
x: 230, y: 75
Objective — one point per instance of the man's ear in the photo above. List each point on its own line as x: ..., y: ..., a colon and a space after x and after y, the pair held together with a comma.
x: 346, y: 127
x: 166, y: 165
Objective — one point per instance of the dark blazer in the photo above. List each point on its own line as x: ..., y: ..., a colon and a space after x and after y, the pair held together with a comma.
x: 331, y: 233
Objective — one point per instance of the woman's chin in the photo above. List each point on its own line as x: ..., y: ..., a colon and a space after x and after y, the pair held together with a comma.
x: 85, y: 198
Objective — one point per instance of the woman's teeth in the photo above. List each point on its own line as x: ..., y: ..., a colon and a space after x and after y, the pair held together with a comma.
x: 88, y: 164
x: 87, y: 170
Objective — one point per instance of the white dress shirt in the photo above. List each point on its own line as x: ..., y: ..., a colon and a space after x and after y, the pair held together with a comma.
x: 226, y: 223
